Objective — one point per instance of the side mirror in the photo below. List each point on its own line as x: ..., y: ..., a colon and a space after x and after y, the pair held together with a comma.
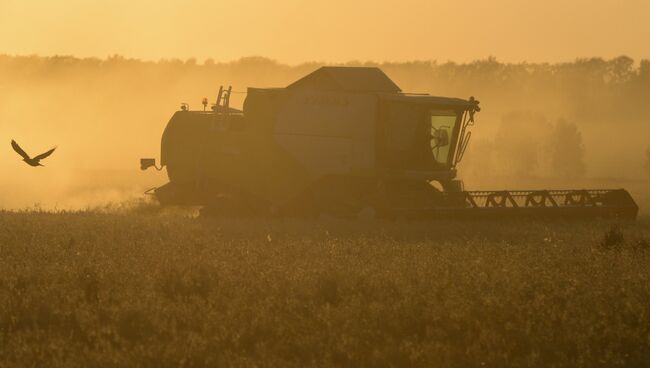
x: 146, y: 163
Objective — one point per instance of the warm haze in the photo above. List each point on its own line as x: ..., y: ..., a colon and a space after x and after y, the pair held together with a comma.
x: 295, y: 31
x: 329, y: 216
x: 106, y: 113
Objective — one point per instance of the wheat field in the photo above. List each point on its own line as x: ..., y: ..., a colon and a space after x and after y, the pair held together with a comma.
x: 145, y: 287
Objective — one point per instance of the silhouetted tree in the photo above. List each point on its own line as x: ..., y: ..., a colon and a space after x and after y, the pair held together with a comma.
x: 566, y: 150
x: 644, y: 71
x: 518, y: 142
x: 620, y: 69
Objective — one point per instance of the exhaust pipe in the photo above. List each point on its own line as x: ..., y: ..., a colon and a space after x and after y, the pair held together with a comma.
x: 146, y: 163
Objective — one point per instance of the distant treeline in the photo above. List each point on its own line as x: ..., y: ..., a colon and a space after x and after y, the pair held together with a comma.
x: 96, y: 105
x: 584, y: 89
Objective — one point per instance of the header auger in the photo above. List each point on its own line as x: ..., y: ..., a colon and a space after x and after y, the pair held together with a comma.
x: 344, y: 141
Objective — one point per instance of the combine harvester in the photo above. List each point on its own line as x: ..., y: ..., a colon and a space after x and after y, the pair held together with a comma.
x: 345, y: 141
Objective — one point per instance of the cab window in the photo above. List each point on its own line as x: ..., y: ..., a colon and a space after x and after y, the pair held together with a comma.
x: 441, y: 124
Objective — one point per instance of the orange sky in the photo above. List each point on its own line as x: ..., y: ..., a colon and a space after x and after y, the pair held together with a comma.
x: 294, y: 31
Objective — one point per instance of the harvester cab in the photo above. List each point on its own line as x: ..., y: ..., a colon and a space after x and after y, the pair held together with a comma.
x: 341, y: 140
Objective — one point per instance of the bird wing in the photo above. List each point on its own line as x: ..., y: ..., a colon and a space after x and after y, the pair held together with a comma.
x: 44, y: 155
x: 19, y: 150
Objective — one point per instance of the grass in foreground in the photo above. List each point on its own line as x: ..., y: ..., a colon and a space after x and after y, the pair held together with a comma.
x: 157, y: 290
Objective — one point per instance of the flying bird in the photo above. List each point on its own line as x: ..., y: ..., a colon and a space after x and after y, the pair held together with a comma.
x: 36, y: 161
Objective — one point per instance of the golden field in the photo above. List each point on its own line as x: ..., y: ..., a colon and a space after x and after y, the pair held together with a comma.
x: 140, y: 286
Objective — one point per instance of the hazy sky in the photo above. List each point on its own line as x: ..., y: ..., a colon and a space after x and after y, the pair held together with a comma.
x: 293, y: 31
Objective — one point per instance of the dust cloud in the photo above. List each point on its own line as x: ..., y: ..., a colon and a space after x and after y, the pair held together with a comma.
x: 575, y: 123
